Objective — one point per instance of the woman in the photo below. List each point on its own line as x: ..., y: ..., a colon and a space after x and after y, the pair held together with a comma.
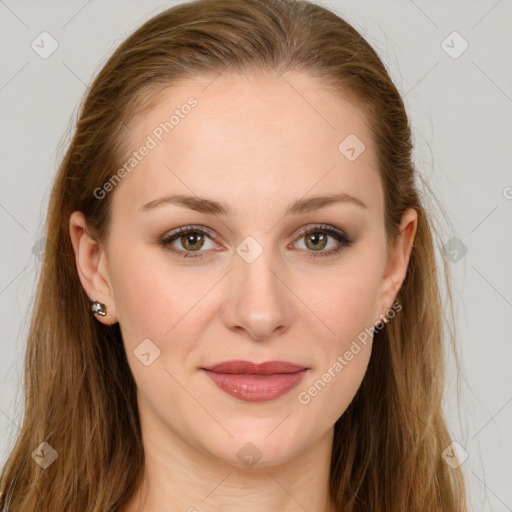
x: 239, y: 306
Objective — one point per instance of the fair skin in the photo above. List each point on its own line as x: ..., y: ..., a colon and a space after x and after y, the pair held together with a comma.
x: 257, y: 145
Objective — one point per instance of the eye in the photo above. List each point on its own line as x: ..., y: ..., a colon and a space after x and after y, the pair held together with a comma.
x: 317, y: 238
x: 189, y: 239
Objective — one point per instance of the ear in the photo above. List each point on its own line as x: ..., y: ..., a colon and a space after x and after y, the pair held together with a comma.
x: 398, y: 260
x: 91, y: 264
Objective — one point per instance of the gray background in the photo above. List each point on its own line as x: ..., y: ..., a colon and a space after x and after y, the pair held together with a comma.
x: 460, y: 109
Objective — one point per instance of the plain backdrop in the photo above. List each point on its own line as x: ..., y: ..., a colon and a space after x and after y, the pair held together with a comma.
x: 452, y: 63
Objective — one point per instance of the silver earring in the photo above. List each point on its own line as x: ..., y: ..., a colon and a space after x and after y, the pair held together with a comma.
x: 98, y: 308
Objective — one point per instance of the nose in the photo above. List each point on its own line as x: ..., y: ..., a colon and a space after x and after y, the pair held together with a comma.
x: 258, y: 302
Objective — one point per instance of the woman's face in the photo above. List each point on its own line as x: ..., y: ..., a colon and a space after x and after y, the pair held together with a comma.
x: 252, y: 160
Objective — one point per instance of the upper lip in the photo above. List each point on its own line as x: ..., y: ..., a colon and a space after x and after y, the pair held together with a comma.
x: 249, y: 368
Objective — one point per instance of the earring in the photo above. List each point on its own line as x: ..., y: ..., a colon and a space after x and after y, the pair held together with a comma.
x: 98, y: 308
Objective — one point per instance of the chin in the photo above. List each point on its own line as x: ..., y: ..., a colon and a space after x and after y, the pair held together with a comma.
x: 259, y: 444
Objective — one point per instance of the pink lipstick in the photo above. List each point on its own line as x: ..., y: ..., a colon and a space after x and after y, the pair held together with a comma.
x: 253, y: 382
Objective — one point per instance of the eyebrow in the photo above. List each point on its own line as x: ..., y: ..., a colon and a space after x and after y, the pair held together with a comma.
x: 212, y: 207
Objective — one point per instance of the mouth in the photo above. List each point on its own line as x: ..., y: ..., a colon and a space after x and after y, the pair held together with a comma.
x: 253, y: 382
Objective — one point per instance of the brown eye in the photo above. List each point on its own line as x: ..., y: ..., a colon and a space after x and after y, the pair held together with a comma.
x: 193, y: 241
x: 186, y: 241
x: 316, y: 240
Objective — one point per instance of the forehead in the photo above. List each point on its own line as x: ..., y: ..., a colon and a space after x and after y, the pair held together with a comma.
x: 241, y: 135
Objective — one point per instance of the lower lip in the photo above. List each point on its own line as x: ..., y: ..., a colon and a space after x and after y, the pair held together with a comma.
x: 256, y: 388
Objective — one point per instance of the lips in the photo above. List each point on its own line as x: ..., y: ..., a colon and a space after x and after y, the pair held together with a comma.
x: 248, y: 368
x: 253, y: 382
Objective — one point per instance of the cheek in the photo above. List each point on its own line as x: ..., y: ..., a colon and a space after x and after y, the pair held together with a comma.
x: 344, y: 350
x: 152, y: 297
x: 344, y: 301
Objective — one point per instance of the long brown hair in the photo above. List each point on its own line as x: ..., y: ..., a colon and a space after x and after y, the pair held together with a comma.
x: 79, y: 391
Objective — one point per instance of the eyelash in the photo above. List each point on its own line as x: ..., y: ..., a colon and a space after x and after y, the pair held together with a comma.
x: 341, y: 237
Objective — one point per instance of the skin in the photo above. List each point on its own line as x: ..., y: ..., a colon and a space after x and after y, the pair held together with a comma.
x: 257, y: 144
